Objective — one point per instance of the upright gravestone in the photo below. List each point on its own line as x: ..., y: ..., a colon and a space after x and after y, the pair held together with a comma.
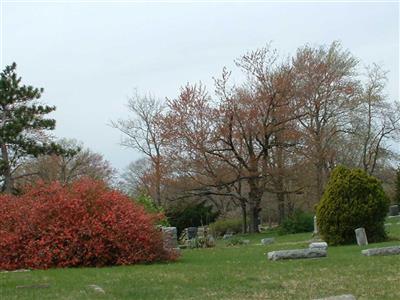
x: 201, y: 232
x: 394, y: 210
x: 170, y: 242
x: 361, y: 237
x: 191, y: 232
x: 315, y: 226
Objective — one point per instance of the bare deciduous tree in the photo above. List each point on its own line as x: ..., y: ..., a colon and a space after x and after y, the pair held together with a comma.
x: 142, y: 132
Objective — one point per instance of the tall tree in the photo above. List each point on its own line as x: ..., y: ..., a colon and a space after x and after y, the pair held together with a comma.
x: 142, y: 132
x: 66, y: 169
x: 377, y: 120
x: 23, y: 126
x: 238, y: 130
x: 327, y: 88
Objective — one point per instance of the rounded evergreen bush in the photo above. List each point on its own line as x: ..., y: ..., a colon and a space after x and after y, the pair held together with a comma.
x: 352, y: 199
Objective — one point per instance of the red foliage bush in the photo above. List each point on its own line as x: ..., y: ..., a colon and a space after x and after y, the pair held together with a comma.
x: 85, y: 224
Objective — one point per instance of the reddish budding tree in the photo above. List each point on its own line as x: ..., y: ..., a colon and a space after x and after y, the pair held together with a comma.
x: 238, y: 131
x: 278, y: 132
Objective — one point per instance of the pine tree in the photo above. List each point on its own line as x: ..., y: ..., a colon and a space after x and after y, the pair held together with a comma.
x: 22, y: 125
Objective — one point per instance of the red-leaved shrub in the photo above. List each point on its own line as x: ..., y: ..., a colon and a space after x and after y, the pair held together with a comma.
x: 85, y: 224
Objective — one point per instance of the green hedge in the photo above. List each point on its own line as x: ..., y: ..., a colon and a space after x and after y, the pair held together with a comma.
x: 298, y: 222
x: 220, y: 227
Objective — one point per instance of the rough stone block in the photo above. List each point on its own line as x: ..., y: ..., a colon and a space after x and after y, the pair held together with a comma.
x: 341, y: 297
x: 267, y: 241
x: 318, y: 245
x: 393, y: 250
x: 296, y: 254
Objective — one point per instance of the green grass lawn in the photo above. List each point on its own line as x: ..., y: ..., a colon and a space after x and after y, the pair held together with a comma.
x: 241, y: 272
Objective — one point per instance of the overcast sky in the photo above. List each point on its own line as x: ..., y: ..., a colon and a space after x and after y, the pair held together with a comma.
x: 90, y: 57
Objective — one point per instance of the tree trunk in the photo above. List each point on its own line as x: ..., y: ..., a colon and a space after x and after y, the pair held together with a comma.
x: 158, y: 181
x: 319, y: 172
x: 281, y: 207
x: 8, y: 181
x: 244, y: 216
x: 255, y: 195
x: 290, y: 206
x: 254, y: 217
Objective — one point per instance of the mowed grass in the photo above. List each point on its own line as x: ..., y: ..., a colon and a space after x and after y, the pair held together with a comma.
x: 241, y: 272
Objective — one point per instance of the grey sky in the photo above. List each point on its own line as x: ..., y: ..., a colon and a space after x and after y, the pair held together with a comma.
x: 89, y: 57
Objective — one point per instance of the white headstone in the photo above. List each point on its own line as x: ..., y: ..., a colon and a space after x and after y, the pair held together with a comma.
x: 315, y: 226
x: 361, y: 237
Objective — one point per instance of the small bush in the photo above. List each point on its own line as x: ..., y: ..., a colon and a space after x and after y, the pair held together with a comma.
x: 236, y: 241
x: 297, y: 223
x: 150, y: 207
x: 352, y: 199
x: 221, y: 227
x: 85, y: 224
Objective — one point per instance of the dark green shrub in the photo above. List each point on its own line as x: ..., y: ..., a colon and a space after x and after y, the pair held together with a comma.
x: 296, y: 223
x: 221, y: 227
x: 190, y: 215
x: 352, y: 199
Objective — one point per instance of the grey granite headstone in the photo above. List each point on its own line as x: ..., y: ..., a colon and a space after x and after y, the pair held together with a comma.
x: 191, y: 232
x: 170, y: 241
x: 361, y: 237
x: 296, y: 254
x: 393, y: 250
x: 394, y: 210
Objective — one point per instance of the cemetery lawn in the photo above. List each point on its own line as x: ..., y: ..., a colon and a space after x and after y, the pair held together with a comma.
x: 241, y: 272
